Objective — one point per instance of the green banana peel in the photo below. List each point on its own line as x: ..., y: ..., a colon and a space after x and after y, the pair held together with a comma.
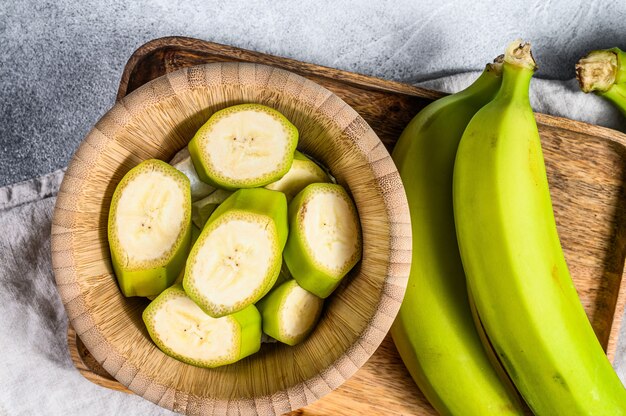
x: 514, y: 263
x: 617, y: 95
x: 434, y: 331
x: 604, y: 72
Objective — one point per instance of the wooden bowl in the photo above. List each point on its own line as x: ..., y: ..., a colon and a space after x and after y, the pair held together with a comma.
x: 156, y: 121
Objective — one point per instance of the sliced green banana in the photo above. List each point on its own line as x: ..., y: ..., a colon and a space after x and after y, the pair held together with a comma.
x: 201, y: 210
x: 237, y: 257
x: 290, y: 313
x: 183, y: 331
x: 244, y: 146
x: 325, y: 237
x: 303, y: 172
x: 149, y: 228
x: 182, y: 162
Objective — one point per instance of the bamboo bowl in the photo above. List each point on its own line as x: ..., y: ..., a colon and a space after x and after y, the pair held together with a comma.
x: 156, y: 121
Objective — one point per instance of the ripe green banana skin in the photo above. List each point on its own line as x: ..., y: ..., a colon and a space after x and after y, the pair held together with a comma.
x: 617, y: 95
x: 434, y: 331
x: 514, y: 263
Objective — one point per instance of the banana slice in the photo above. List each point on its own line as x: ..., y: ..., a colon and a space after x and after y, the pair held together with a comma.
x: 182, y: 162
x: 325, y: 237
x: 237, y: 257
x: 244, y: 146
x: 303, y: 172
x: 290, y: 313
x: 183, y: 331
x: 149, y: 228
x: 201, y: 210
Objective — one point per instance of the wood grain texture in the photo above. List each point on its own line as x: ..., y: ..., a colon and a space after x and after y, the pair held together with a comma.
x: 586, y: 168
x: 157, y: 120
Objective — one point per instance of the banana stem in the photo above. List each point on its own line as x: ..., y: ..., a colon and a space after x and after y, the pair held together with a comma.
x: 520, y: 66
x: 604, y: 72
x: 518, y: 54
x: 601, y: 69
x: 617, y: 95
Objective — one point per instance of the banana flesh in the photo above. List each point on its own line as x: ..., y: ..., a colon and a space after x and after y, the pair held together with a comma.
x: 434, y: 331
x: 186, y: 329
x: 183, y: 331
x: 237, y: 257
x: 234, y: 260
x: 290, y: 313
x: 149, y: 228
x: 325, y: 237
x: 182, y: 162
x: 150, y: 216
x: 303, y: 172
x: 329, y: 228
x: 514, y: 264
x: 244, y: 146
x: 299, y: 312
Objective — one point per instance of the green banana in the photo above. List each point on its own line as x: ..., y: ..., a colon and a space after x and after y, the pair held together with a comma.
x: 604, y: 72
x: 513, y: 261
x: 434, y: 331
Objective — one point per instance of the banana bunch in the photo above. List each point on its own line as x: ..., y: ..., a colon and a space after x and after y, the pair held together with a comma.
x: 512, y: 257
x: 490, y: 301
x: 433, y: 331
x: 604, y: 72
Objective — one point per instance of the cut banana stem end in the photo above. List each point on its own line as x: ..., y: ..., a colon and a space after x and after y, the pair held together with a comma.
x: 303, y: 172
x: 244, y: 146
x: 182, y: 162
x: 237, y: 257
x: 201, y: 210
x: 183, y: 331
x: 290, y: 313
x: 149, y: 228
x: 324, y: 239
x: 600, y: 70
x: 604, y: 72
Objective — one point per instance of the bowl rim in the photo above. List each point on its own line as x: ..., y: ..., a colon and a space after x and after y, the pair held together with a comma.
x: 302, y: 394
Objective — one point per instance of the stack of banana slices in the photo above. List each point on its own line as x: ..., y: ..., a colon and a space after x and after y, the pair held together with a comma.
x: 239, y: 235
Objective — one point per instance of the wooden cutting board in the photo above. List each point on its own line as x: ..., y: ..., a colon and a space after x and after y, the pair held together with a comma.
x: 586, y: 169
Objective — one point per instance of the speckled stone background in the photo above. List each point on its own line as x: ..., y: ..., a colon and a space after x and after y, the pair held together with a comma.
x: 60, y: 61
x: 60, y: 64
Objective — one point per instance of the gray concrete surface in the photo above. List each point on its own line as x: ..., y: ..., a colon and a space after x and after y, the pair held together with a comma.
x: 60, y: 61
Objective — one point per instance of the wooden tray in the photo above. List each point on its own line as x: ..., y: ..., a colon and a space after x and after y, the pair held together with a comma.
x: 586, y: 168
